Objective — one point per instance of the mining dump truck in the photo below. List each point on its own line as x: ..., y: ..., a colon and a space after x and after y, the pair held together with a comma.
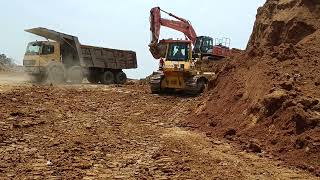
x: 63, y: 59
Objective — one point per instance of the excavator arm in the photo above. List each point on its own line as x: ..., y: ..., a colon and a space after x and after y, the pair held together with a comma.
x: 179, y: 24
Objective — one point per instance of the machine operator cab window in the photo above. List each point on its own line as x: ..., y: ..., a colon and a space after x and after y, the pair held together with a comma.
x: 203, y: 45
x: 178, y: 52
x: 37, y: 48
x: 33, y: 48
x: 207, y: 45
x: 47, y: 49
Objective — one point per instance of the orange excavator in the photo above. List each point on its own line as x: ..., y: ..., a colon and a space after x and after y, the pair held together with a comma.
x: 203, y: 46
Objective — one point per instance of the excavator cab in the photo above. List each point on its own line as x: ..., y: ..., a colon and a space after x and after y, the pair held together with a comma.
x: 214, y: 50
x: 203, y: 44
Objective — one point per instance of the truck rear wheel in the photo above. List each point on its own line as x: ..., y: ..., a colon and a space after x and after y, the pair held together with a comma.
x: 107, y: 78
x: 75, y: 75
x: 121, y: 77
x: 56, y: 73
x: 39, y: 79
x: 93, y: 79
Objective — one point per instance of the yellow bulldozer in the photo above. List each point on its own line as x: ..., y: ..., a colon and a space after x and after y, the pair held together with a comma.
x: 177, y: 70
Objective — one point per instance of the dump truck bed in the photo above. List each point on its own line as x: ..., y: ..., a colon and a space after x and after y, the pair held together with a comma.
x: 108, y: 58
x: 91, y: 56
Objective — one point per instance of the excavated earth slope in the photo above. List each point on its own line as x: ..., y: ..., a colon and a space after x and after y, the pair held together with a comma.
x: 268, y: 98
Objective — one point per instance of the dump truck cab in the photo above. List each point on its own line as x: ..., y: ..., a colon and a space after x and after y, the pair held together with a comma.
x: 52, y: 60
x: 39, y: 54
x: 55, y: 60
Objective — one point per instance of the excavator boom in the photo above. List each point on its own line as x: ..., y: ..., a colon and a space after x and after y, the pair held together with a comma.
x: 179, y: 24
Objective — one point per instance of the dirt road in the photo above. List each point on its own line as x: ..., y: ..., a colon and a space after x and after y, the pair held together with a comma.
x: 90, y: 132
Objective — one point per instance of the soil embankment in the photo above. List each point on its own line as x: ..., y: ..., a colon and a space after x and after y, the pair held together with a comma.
x: 268, y: 98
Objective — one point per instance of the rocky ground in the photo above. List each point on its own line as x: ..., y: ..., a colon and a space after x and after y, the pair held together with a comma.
x: 260, y: 119
x: 107, y: 132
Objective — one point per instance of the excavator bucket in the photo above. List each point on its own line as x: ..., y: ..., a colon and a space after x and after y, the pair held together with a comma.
x: 158, y: 50
x: 155, y: 26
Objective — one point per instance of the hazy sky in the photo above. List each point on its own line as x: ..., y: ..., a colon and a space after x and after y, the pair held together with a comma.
x: 122, y: 24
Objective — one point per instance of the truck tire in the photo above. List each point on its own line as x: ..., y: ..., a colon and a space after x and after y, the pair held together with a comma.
x: 38, y: 79
x: 107, y: 78
x: 75, y: 75
x: 56, y: 73
x: 121, y: 78
x: 93, y: 78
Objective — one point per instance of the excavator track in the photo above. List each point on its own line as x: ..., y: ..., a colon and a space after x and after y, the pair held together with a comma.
x: 155, y: 82
x: 195, y: 86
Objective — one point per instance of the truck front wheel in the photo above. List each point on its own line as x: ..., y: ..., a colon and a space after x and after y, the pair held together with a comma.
x: 56, y: 73
x: 121, y: 77
x: 93, y: 79
x: 38, y: 79
x: 75, y: 75
x: 107, y: 78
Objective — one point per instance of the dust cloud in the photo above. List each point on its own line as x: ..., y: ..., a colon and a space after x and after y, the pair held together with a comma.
x: 13, y: 78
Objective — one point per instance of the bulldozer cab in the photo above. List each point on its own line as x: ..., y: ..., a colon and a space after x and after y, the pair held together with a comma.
x: 178, y: 51
x: 178, y: 56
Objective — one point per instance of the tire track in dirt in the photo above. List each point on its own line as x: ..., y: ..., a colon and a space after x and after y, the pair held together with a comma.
x: 90, y: 132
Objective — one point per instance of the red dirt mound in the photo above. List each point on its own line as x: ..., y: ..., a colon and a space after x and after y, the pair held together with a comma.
x: 269, y: 98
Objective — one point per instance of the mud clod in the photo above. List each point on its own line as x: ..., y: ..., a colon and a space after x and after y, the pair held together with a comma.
x: 273, y: 102
x: 230, y: 133
x: 254, y: 147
